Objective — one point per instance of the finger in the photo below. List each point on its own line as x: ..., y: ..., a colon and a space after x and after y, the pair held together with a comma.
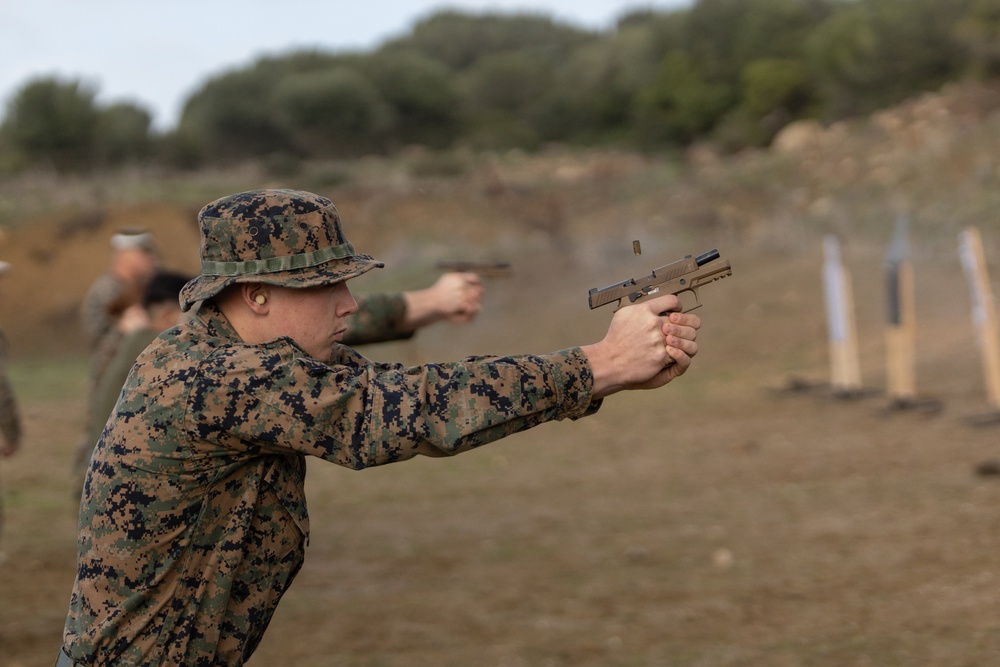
x: 472, y: 303
x: 668, y: 373
x: 685, y: 333
x: 682, y: 326
x: 677, y: 367
x: 470, y: 280
x: 664, y: 304
x: 684, y: 319
x: 682, y: 351
x: 687, y: 343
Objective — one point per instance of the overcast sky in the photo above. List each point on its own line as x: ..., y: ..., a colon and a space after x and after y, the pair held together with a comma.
x: 157, y: 52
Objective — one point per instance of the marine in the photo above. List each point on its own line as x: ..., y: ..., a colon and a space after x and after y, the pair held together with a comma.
x: 194, y: 520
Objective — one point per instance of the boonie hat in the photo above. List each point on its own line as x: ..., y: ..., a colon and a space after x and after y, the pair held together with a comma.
x: 279, y: 237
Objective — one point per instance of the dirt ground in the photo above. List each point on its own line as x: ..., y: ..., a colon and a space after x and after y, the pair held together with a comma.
x: 725, y: 520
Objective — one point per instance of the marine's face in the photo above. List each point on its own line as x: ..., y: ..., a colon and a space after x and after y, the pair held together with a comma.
x: 314, y: 317
x: 137, y: 264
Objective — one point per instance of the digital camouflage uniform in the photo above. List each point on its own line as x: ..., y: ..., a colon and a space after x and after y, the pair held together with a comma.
x: 10, y: 414
x: 106, y: 299
x: 194, y: 521
x: 380, y: 318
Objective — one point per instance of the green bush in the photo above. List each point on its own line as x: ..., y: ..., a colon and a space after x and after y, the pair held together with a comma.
x: 336, y: 112
x: 54, y: 123
x: 423, y: 95
x: 122, y: 134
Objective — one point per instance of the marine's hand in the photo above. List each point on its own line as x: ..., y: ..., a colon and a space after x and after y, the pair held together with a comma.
x: 133, y: 318
x: 647, y: 345
x: 455, y: 297
x: 460, y: 296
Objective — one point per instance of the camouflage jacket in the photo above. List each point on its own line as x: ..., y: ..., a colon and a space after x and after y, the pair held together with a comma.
x: 10, y: 414
x: 379, y: 318
x: 194, y: 522
x: 103, y: 304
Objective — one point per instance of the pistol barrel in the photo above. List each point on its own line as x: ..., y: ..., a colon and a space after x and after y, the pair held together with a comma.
x: 707, y: 257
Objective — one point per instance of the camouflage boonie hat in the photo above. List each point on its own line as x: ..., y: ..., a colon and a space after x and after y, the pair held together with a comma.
x: 279, y: 237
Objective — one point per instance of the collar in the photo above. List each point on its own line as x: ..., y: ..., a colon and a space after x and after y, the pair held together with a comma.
x: 214, y: 324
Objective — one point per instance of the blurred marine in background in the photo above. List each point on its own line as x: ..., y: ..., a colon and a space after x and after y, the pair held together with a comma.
x: 10, y: 415
x: 111, y: 309
x: 160, y: 310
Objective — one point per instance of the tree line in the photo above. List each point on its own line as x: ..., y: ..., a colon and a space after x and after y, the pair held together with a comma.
x: 729, y: 72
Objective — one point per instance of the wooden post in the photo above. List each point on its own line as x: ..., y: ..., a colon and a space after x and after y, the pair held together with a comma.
x: 845, y: 370
x: 900, y: 334
x: 984, y: 315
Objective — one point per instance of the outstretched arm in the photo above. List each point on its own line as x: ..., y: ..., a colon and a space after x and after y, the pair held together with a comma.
x: 385, y: 316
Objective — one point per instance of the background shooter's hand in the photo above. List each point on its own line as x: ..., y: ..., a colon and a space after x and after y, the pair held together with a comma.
x: 454, y: 297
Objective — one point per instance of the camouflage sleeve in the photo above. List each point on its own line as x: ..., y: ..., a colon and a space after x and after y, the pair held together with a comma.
x: 380, y: 318
x: 359, y: 414
x: 95, y: 314
x: 10, y: 414
x: 110, y: 383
